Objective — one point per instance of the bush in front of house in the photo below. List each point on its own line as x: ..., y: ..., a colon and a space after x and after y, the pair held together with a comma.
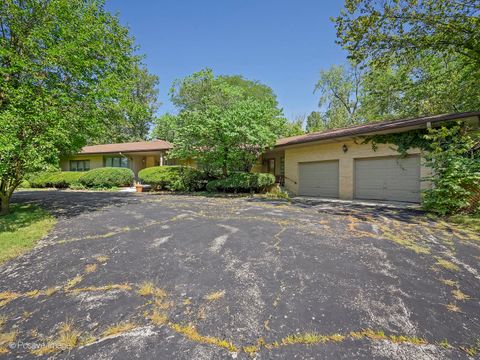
x: 242, y: 182
x: 107, y: 177
x: 54, y: 179
x: 173, y: 178
x: 455, y: 171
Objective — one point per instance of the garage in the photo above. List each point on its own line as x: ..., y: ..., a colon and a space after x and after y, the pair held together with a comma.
x: 388, y: 178
x: 318, y: 179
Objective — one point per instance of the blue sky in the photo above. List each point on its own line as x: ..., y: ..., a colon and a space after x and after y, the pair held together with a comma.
x: 282, y: 43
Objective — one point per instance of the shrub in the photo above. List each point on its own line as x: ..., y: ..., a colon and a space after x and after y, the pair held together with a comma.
x: 242, y: 182
x: 456, y: 171
x: 55, y: 179
x: 174, y: 178
x: 25, y: 184
x: 107, y: 177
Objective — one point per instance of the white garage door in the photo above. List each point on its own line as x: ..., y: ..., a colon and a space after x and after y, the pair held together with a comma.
x: 318, y: 179
x: 388, y: 178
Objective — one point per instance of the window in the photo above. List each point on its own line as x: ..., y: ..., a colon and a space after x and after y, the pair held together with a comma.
x: 79, y: 165
x: 282, y: 166
x: 116, y: 161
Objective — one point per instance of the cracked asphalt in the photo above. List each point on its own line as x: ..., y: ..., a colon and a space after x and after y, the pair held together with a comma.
x: 240, y: 278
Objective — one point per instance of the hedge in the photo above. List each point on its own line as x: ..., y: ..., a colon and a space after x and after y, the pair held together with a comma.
x: 107, y: 177
x: 173, y: 178
x: 54, y: 179
x: 242, y: 182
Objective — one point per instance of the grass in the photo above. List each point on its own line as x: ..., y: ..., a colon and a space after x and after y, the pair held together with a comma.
x: 459, y: 295
x: 118, y: 329
x: 190, y: 332
x: 453, y: 308
x: 73, y: 282
x: 217, y: 295
x: 7, y: 296
x: 447, y: 264
x: 102, y: 258
x: 471, y: 222
x: 148, y: 288
x: 21, y: 229
x: 67, y: 339
x: 158, y: 318
x: 109, y: 287
x: 90, y: 268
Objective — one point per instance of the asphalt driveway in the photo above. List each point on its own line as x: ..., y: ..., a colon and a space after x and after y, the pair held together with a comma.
x: 126, y: 276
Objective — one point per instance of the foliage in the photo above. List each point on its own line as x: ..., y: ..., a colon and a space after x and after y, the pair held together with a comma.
x: 414, y: 139
x: 419, y: 58
x: 315, y: 122
x: 107, y: 177
x: 63, y: 64
x: 165, y: 127
x: 198, y: 91
x: 277, y: 193
x: 456, y: 170
x: 223, y: 124
x: 292, y: 128
x: 173, y: 178
x: 339, y: 89
x: 130, y: 118
x: 379, y: 30
x: 429, y: 84
x: 242, y: 182
x: 21, y: 229
x: 56, y: 179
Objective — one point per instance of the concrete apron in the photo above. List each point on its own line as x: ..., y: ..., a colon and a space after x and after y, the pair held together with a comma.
x: 316, y: 201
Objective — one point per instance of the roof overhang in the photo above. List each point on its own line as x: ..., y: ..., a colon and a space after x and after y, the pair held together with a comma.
x: 385, y: 127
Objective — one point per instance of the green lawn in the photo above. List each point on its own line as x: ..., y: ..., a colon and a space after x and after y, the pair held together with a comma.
x: 21, y: 229
x: 471, y: 222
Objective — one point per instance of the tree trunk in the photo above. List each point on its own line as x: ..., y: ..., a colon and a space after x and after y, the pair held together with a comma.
x: 5, y: 205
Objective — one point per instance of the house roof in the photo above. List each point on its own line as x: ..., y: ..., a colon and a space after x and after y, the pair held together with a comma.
x: 127, y: 147
x: 382, y: 126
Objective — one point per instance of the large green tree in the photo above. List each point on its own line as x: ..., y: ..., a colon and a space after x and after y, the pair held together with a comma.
x: 131, y: 118
x: 315, y: 122
x: 165, y: 127
x: 62, y: 63
x: 226, y: 122
x: 420, y: 57
x: 339, y: 89
x: 382, y: 29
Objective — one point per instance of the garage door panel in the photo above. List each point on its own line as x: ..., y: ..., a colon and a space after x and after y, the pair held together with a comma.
x: 391, y: 178
x: 318, y: 179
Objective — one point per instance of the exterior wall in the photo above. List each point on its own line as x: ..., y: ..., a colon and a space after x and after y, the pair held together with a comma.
x: 137, y: 162
x: 334, y: 151
x: 96, y: 161
x: 277, y: 155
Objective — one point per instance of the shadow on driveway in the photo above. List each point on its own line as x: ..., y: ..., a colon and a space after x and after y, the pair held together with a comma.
x: 69, y: 204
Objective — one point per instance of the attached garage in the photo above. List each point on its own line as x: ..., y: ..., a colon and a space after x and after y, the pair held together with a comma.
x: 318, y: 179
x: 388, y: 178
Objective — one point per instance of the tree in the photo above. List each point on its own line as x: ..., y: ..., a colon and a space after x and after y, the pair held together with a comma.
x: 378, y: 30
x: 431, y: 84
x: 314, y: 122
x: 292, y: 128
x: 62, y: 63
x: 165, y: 127
x: 131, y: 118
x: 223, y: 125
x: 339, y: 94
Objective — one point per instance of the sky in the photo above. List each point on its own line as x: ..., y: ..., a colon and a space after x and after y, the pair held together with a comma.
x: 281, y: 43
